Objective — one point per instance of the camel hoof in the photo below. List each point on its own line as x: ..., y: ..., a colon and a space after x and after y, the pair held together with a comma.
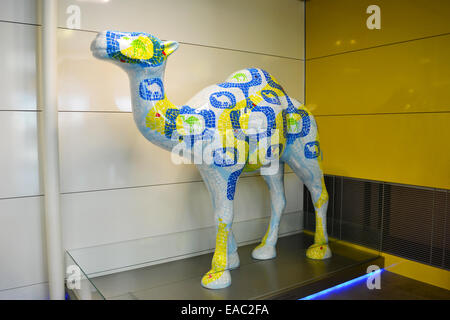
x: 319, y: 252
x: 264, y: 252
x: 216, y: 279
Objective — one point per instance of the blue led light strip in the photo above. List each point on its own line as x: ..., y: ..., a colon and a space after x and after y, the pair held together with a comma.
x: 340, y: 286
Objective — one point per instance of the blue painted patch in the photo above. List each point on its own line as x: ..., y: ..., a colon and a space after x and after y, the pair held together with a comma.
x: 306, y: 125
x: 235, y: 124
x: 170, y: 124
x: 275, y: 85
x: 270, y: 96
x: 222, y: 100
x: 231, y: 184
x: 221, y: 159
x: 312, y: 150
x: 151, y: 89
x: 234, y: 118
x: 245, y: 86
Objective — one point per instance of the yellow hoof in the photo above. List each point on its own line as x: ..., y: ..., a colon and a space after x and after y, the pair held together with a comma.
x: 216, y: 280
x: 319, y: 252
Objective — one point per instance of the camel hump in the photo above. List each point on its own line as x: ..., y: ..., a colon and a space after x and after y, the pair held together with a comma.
x: 246, y: 76
x: 240, y: 86
x: 240, y: 76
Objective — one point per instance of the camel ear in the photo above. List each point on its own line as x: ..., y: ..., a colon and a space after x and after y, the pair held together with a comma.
x: 169, y: 47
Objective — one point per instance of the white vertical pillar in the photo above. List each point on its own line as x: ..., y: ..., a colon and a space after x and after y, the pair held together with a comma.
x: 49, y: 151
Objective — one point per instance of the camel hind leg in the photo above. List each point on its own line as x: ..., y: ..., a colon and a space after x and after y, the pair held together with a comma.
x: 303, y: 155
x: 266, y: 249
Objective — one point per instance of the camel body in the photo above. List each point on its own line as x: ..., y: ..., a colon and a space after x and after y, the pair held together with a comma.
x: 244, y: 124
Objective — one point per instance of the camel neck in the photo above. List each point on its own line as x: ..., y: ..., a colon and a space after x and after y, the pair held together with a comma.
x: 150, y: 104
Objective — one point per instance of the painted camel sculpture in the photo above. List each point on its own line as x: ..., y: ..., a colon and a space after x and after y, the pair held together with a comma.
x: 244, y: 124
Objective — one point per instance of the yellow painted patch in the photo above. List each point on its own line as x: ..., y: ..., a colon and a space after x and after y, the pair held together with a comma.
x: 279, y: 127
x: 219, y: 262
x: 256, y: 159
x: 140, y: 48
x: 155, y: 118
x: 243, y: 120
x: 264, y: 239
x: 189, y: 124
x: 319, y: 236
x: 317, y: 251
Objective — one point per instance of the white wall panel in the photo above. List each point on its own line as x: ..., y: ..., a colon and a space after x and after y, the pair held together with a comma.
x: 24, y: 11
x: 106, y: 150
x: 265, y: 26
x: 18, y: 66
x: 33, y: 292
x: 94, y: 218
x: 19, y: 165
x: 89, y: 84
x: 22, y: 242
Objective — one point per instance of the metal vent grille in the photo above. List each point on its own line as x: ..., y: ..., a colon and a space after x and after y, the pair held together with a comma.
x: 407, y: 221
x: 361, y: 212
x: 446, y: 241
x: 438, y: 246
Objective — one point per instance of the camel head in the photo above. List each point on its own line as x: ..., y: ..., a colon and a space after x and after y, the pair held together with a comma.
x: 132, y: 50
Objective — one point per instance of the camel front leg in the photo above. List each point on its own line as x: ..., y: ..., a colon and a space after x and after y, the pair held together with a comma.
x: 222, y: 186
x: 219, y: 276
x: 215, y: 191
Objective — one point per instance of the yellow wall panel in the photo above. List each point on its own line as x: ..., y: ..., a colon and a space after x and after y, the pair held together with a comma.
x: 338, y: 26
x: 403, y: 148
x: 407, y: 77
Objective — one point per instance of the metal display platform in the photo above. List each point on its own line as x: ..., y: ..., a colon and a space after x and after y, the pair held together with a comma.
x: 291, y: 275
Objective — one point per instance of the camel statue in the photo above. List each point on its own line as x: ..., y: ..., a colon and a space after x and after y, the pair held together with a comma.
x: 244, y: 124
